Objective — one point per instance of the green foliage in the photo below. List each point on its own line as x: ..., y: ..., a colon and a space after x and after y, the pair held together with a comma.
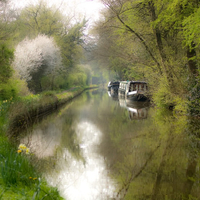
x: 194, y: 98
x: 8, y: 87
x: 18, y: 178
x: 61, y: 82
x: 8, y: 90
x: 191, y: 30
x: 152, y: 41
x: 40, y: 19
x: 48, y: 93
x: 16, y: 169
x: 4, y: 107
x: 44, y: 19
x: 6, y: 56
x: 165, y: 98
x: 70, y: 44
x: 77, y: 79
x: 162, y: 96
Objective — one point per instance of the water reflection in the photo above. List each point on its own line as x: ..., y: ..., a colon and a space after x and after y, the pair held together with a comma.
x: 113, y: 96
x: 44, y: 140
x: 69, y: 144
x: 84, y: 180
x: 99, y: 153
x: 136, y: 110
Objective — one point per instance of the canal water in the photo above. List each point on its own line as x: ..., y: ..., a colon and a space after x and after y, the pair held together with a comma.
x: 100, y: 147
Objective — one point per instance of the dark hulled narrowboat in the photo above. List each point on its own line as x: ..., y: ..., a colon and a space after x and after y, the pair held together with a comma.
x: 113, y: 87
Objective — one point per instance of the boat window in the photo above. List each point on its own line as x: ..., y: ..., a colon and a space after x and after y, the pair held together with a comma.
x: 145, y: 88
x: 131, y: 87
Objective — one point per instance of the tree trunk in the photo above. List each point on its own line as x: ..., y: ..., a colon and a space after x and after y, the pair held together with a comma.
x: 159, y: 42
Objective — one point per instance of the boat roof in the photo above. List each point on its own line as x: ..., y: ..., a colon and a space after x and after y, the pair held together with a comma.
x: 133, y: 82
x: 113, y: 82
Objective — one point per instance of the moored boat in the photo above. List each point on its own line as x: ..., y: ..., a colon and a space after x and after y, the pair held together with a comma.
x: 133, y: 90
x: 113, y: 87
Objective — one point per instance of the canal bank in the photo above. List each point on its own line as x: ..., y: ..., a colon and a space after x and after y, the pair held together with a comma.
x: 18, y: 178
x: 27, y: 112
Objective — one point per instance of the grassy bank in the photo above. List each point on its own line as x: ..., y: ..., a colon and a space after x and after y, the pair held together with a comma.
x: 26, y: 111
x: 18, y: 178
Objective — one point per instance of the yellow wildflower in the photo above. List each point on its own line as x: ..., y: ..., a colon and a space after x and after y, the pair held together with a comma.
x: 27, y: 150
x: 30, y: 177
x: 34, y: 178
x: 22, y: 146
x: 19, y: 151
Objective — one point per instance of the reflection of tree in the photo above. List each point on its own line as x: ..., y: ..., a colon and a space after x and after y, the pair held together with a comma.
x: 148, y: 158
x: 193, y: 157
x: 156, y: 188
x: 141, y: 169
x: 69, y: 139
x: 122, y: 192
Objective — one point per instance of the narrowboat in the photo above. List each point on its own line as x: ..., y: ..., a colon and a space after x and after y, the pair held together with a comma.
x: 133, y: 90
x: 113, y: 87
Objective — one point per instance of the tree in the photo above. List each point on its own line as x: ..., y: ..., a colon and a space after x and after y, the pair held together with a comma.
x: 158, y: 40
x: 70, y: 42
x: 36, y: 58
x: 68, y: 34
x: 7, y: 20
x: 40, y: 19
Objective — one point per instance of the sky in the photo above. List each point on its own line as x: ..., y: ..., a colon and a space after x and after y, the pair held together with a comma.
x: 88, y: 8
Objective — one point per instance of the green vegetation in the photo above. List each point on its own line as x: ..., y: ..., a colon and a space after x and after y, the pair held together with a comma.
x: 44, y: 52
x: 19, y: 179
x: 159, y: 154
x: 156, y: 41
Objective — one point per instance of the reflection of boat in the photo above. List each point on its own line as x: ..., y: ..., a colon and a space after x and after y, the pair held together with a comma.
x: 133, y: 90
x: 113, y: 87
x: 136, y: 110
x: 113, y: 96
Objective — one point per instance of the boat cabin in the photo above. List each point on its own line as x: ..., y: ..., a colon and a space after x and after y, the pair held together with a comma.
x: 133, y: 90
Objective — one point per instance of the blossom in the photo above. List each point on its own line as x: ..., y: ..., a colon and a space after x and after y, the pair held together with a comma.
x: 19, y: 151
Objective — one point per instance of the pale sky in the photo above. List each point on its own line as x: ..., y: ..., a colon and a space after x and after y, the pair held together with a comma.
x: 89, y: 8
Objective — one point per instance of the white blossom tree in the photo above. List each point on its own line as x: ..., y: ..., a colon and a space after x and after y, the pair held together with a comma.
x: 37, y: 58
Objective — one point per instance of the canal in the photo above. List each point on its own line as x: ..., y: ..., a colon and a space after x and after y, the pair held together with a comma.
x: 99, y: 147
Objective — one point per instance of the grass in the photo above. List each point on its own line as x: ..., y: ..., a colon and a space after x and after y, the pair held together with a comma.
x: 18, y: 178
